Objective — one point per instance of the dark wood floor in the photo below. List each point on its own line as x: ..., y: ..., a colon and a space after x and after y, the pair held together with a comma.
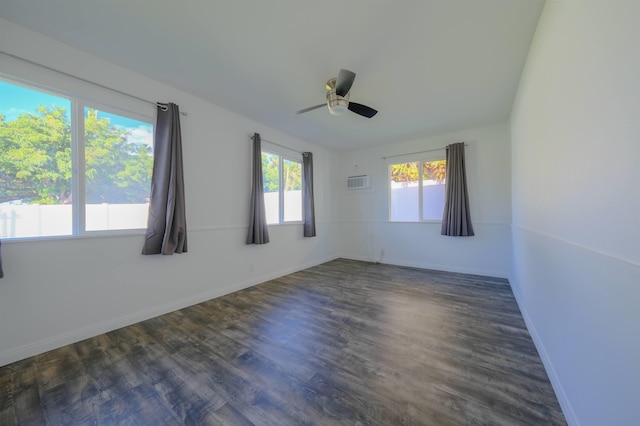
x: 345, y: 342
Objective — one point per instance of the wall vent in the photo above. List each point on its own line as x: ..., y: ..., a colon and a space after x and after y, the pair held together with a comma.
x: 358, y: 182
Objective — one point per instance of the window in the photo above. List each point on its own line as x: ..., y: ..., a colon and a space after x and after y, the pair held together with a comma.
x: 53, y: 182
x: 282, y: 180
x: 417, y: 191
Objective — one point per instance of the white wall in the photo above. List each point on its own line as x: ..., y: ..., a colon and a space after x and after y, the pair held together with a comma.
x: 576, y: 205
x: 363, y: 215
x: 62, y: 290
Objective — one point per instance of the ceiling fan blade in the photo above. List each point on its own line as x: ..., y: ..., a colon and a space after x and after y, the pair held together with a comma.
x: 362, y: 109
x: 310, y: 108
x: 344, y: 82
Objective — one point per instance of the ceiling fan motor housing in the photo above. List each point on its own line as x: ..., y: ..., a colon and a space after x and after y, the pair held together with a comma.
x: 337, y: 104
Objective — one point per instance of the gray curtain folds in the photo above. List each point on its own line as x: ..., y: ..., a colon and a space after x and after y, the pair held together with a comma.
x: 1, y: 271
x: 456, y: 218
x: 258, y: 231
x: 167, y: 224
x: 307, y: 195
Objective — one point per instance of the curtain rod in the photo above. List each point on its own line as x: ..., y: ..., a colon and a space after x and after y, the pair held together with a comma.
x: 417, y: 152
x: 160, y: 104
x: 281, y: 146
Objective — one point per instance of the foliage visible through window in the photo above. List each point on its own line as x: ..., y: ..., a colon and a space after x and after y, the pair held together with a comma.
x: 41, y: 170
x: 417, y: 191
x: 282, y: 181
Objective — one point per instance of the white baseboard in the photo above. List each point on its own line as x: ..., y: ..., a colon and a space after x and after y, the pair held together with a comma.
x: 434, y: 266
x: 50, y: 343
x: 567, y: 409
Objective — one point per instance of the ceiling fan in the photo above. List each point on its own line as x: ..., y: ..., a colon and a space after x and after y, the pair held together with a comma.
x: 338, y: 97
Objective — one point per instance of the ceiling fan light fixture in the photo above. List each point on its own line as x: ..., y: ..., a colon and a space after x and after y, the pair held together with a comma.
x: 338, y: 105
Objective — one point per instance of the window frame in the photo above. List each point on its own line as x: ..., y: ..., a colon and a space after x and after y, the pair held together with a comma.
x: 62, y: 86
x: 425, y: 158
x: 282, y: 155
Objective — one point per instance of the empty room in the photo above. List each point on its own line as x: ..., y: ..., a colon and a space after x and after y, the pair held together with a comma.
x: 332, y: 212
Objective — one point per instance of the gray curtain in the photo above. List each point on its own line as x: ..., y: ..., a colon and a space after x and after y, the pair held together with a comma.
x: 456, y: 218
x: 167, y: 224
x: 258, y: 232
x: 1, y: 272
x: 307, y: 195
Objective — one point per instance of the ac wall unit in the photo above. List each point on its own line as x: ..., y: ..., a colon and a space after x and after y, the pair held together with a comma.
x: 358, y: 182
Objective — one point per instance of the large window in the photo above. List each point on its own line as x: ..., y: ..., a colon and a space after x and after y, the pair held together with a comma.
x: 417, y: 191
x: 70, y: 167
x: 282, y: 180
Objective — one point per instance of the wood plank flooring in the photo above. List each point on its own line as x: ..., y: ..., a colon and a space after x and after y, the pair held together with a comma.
x: 345, y: 342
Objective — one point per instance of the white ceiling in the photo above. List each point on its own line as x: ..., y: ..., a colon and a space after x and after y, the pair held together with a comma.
x: 427, y: 66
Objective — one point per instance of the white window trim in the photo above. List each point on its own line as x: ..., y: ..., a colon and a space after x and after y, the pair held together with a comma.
x: 62, y: 86
x: 283, y: 154
x: 423, y: 158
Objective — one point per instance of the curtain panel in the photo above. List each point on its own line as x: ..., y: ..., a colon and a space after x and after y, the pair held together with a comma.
x: 258, y: 231
x: 456, y: 218
x: 307, y: 195
x: 167, y: 223
x: 1, y: 271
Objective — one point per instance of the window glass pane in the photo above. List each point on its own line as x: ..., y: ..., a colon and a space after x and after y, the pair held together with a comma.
x: 292, y: 182
x: 271, y: 183
x: 35, y: 163
x: 118, y: 166
x: 433, y: 183
x: 404, y: 192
